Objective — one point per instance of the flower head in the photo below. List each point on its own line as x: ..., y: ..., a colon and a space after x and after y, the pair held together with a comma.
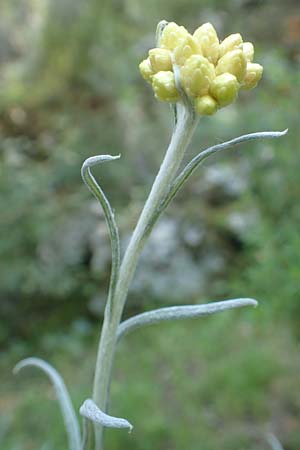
x: 210, y: 72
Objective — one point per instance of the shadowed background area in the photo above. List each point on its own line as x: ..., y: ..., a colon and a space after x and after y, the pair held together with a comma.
x: 70, y: 88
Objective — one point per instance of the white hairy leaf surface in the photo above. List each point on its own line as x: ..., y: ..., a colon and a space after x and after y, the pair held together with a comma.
x: 62, y: 395
x: 90, y: 411
x: 181, y: 312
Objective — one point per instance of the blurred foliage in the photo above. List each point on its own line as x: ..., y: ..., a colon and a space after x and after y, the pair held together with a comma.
x: 70, y: 88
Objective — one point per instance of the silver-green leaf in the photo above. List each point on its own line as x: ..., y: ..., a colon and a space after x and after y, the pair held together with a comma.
x: 96, y: 190
x: 90, y: 411
x: 198, y: 159
x: 63, y: 398
x: 180, y: 312
x: 274, y: 442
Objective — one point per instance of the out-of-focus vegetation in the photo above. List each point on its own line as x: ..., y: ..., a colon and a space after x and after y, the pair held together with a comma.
x: 70, y: 88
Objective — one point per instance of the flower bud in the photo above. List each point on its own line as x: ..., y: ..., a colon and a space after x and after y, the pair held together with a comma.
x: 233, y: 62
x: 172, y: 35
x: 206, y: 105
x: 248, y: 51
x: 164, y: 87
x: 160, y: 59
x: 224, y: 89
x: 146, y: 70
x: 231, y: 42
x: 208, y: 40
x: 196, y: 75
x: 253, y: 75
x: 187, y: 47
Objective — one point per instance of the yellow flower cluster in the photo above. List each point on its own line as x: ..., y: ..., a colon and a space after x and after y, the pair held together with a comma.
x: 211, y: 72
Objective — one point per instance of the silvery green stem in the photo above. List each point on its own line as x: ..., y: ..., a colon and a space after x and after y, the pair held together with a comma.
x: 63, y: 398
x: 180, y: 312
x: 181, y: 137
x: 184, y: 129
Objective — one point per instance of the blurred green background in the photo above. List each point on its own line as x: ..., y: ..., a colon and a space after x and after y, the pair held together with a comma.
x: 70, y: 88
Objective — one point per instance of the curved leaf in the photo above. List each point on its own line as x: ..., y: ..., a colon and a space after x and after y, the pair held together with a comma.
x: 63, y: 398
x: 180, y: 312
x: 90, y: 411
x: 96, y: 190
x: 197, y: 160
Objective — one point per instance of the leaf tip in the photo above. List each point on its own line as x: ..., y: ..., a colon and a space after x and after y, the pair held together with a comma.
x: 283, y: 133
x: 90, y: 411
x: 16, y: 369
x: 253, y: 302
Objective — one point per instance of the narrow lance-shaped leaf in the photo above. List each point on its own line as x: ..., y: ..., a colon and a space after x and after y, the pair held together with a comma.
x: 96, y: 190
x: 90, y: 411
x: 180, y: 312
x: 197, y: 160
x: 63, y: 398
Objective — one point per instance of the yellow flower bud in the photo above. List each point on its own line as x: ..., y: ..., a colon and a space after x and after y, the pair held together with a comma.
x: 206, y: 105
x: 233, y: 62
x: 160, y: 59
x: 211, y: 73
x: 253, y: 75
x: 146, y: 70
x: 172, y: 35
x: 231, y: 42
x: 196, y: 75
x: 224, y: 89
x: 248, y: 51
x: 208, y: 40
x: 186, y: 48
x: 164, y: 87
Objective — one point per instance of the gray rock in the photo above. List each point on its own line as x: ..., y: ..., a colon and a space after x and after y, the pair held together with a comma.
x: 223, y: 181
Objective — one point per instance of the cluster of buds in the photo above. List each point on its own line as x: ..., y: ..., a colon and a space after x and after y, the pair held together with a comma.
x: 211, y: 72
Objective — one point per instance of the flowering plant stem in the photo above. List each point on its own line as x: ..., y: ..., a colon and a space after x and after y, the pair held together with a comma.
x: 183, y: 131
x: 168, y: 86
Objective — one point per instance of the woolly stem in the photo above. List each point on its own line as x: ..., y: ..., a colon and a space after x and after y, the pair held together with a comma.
x: 181, y: 137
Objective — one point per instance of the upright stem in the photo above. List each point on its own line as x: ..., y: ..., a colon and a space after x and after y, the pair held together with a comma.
x: 183, y: 131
